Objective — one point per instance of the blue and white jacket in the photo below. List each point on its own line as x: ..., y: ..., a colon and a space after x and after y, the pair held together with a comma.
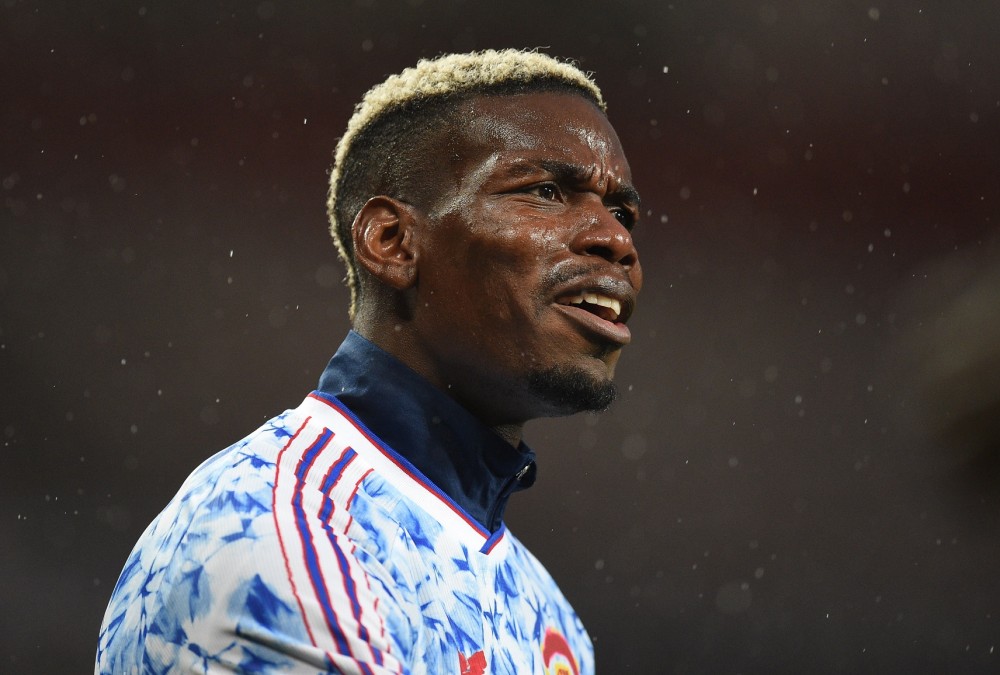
x: 361, y: 532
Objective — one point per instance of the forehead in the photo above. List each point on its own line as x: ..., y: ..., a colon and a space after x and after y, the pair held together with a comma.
x: 545, y: 125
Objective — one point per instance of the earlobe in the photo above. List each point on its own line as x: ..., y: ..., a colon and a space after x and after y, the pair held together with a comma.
x: 383, y: 236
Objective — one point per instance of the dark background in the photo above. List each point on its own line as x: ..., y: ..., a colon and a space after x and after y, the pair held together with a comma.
x: 801, y: 472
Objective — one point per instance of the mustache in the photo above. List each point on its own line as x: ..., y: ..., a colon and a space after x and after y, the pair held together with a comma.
x: 572, y: 270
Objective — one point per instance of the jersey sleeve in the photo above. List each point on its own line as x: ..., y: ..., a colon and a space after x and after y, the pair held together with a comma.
x: 220, y: 583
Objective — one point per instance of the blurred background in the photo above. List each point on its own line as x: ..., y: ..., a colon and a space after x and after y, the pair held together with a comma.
x: 802, y: 472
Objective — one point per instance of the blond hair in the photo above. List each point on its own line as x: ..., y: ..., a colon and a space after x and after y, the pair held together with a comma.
x: 375, y: 153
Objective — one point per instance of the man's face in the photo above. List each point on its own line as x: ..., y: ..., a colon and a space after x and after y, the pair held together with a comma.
x: 526, y: 270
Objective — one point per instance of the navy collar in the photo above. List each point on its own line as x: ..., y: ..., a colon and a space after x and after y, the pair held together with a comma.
x: 453, y: 449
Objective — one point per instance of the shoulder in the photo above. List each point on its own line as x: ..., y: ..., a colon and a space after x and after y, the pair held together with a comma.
x: 250, y: 547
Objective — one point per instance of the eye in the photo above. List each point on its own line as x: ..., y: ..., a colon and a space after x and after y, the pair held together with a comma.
x: 623, y: 216
x: 547, y: 191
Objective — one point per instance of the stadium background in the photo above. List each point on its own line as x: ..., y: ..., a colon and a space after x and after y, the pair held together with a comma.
x: 801, y: 473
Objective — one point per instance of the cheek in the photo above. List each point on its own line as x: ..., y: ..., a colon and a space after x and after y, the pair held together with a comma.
x: 494, y: 262
x: 517, y: 239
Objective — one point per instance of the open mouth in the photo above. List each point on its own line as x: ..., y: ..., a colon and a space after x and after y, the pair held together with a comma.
x: 598, y: 314
x: 601, y: 306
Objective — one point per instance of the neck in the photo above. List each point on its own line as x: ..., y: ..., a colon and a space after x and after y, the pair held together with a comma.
x: 400, y: 344
x: 510, y: 433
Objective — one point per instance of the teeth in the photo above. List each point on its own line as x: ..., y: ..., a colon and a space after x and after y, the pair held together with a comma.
x: 596, y: 299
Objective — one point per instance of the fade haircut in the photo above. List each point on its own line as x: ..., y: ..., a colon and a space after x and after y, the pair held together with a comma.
x: 394, y: 124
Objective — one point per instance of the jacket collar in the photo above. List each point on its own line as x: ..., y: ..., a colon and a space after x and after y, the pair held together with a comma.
x: 453, y: 449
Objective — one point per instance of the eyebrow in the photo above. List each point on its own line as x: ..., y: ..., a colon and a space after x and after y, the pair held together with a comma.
x: 576, y: 174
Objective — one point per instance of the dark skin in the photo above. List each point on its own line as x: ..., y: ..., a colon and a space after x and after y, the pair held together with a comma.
x: 507, y: 270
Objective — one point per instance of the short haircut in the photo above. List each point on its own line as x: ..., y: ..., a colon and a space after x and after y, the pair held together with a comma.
x: 388, y: 134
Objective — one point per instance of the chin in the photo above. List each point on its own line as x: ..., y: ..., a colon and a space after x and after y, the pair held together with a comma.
x: 568, y: 390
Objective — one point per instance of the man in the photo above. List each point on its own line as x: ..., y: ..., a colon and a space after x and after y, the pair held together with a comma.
x: 482, y: 204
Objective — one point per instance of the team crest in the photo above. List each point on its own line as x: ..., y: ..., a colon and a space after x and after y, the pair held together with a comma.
x: 557, y: 656
x: 474, y: 665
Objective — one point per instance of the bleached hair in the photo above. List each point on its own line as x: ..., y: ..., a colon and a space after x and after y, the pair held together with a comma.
x: 376, y: 154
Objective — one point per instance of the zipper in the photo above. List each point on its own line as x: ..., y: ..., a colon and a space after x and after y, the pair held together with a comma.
x: 505, y: 494
x: 520, y: 474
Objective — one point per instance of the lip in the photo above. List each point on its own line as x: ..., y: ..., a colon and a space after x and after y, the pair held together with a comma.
x: 609, y: 331
x: 619, y: 289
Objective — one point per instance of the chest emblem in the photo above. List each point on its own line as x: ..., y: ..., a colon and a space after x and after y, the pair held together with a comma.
x: 557, y: 656
x: 474, y: 665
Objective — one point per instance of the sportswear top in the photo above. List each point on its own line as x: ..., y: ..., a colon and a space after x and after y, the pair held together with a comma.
x: 360, y: 532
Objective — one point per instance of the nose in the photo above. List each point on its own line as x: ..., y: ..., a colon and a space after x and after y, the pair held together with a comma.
x: 607, y: 238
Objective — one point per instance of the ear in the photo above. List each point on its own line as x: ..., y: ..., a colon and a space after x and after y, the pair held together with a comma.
x: 383, y: 235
